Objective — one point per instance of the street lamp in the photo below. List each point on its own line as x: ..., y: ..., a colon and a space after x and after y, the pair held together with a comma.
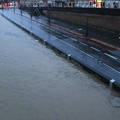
x: 49, y: 15
x: 87, y: 15
x: 14, y: 5
x: 103, y: 4
x: 21, y: 12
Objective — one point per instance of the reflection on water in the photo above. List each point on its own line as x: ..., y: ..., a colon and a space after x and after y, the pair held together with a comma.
x: 36, y: 84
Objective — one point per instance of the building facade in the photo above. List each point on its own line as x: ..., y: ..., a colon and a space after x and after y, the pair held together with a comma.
x: 72, y: 3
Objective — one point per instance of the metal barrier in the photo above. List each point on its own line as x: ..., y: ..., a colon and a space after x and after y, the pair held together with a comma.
x: 102, y: 11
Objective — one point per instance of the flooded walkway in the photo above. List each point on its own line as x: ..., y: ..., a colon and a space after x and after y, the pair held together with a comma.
x: 36, y: 84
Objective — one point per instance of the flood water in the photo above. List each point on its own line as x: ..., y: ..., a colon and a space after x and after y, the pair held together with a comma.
x: 37, y: 84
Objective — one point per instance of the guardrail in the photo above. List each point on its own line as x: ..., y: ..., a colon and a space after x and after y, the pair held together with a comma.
x: 102, y: 11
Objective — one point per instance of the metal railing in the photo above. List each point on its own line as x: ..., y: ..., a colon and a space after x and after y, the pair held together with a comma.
x: 101, y: 11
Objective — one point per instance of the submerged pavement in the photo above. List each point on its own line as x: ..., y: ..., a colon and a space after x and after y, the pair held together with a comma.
x: 91, y: 57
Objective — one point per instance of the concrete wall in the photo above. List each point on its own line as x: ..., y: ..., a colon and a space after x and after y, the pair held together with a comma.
x: 103, y: 21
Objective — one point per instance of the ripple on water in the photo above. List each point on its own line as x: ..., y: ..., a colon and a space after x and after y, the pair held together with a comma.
x: 35, y: 84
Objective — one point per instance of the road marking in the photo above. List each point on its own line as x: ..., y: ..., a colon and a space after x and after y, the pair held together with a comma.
x: 80, y: 29
x: 83, y: 43
x: 76, y: 49
x: 58, y: 32
x: 111, y: 67
x: 110, y: 56
x: 73, y: 39
x: 52, y: 30
x: 64, y: 35
x: 95, y: 49
x: 96, y: 59
x: 46, y: 27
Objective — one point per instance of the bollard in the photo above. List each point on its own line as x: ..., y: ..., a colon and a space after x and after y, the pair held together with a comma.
x: 68, y: 56
x: 111, y: 83
x: 44, y: 42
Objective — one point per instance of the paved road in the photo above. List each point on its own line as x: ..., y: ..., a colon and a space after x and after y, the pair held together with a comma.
x: 104, y: 62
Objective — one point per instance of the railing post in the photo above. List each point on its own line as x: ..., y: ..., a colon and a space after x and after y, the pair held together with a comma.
x: 21, y: 12
x: 68, y: 56
x: 111, y: 83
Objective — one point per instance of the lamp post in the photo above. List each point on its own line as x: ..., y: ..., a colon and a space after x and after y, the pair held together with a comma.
x: 103, y: 4
x: 87, y: 15
x: 49, y: 15
x: 14, y: 5
x: 21, y: 12
x: 3, y: 5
